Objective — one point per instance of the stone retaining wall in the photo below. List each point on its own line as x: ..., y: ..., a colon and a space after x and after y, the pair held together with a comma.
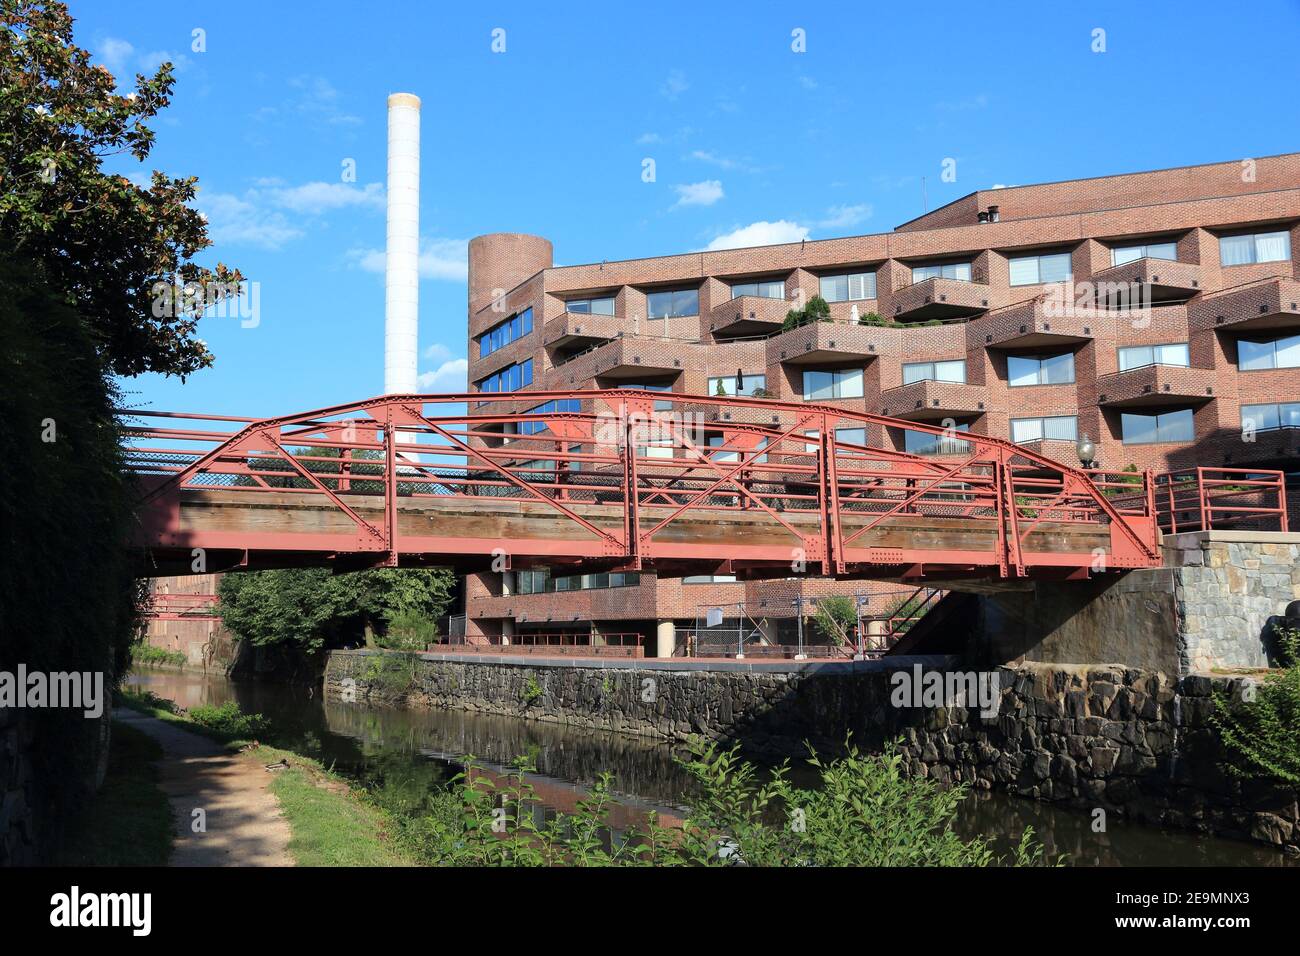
x: 1131, y: 742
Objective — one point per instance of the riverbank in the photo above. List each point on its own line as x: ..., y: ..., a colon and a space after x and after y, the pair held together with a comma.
x: 297, y: 814
x: 1131, y: 743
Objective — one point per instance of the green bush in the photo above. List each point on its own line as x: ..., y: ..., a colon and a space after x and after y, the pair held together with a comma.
x: 228, y: 720
x: 408, y: 630
x: 836, y: 618
x: 147, y: 654
x: 1262, y: 736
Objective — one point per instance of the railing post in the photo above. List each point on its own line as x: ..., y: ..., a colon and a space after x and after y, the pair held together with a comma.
x: 390, y: 486
x: 1281, y: 502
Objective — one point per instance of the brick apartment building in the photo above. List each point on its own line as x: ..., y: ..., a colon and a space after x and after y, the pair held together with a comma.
x: 1157, y: 313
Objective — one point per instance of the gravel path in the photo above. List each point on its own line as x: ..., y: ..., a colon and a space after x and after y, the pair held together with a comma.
x: 244, y: 826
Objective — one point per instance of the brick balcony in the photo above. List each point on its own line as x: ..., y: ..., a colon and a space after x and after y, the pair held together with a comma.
x: 932, y: 401
x: 939, y: 298
x: 577, y: 330
x: 1265, y: 305
x: 828, y: 343
x: 1166, y: 281
x: 747, y: 315
x: 1155, y: 385
x: 1037, y: 322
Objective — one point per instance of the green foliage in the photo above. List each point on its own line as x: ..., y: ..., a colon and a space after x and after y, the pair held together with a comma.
x: 228, y: 720
x: 865, y: 812
x: 817, y: 310
x: 721, y: 390
x: 98, y: 240
x: 835, y: 619
x: 908, y: 611
x: 313, y: 608
x: 531, y: 691
x: 873, y: 318
x: 147, y: 654
x: 1262, y: 736
x: 408, y: 630
x: 393, y: 674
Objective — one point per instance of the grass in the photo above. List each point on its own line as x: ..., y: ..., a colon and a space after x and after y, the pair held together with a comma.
x: 130, y: 822
x: 329, y: 824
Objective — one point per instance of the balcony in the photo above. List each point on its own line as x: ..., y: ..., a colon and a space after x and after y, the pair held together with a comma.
x: 634, y: 357
x: 1155, y: 385
x: 575, y: 331
x: 1044, y: 321
x: 1264, y: 305
x: 1153, y: 280
x: 829, y: 343
x: 930, y: 400
x: 747, y: 315
x: 939, y: 298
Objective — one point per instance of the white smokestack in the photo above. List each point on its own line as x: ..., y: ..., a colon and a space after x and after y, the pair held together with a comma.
x: 402, y: 265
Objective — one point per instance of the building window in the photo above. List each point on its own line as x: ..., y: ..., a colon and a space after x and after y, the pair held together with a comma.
x: 509, y: 379
x: 1140, y: 356
x: 560, y: 405
x: 849, y: 287
x: 1254, y: 355
x: 763, y: 288
x: 823, y: 385
x: 1033, y: 270
x: 1151, y: 250
x: 1254, y: 247
x: 540, y: 581
x: 924, y: 443
x: 661, y: 405
x: 727, y: 383
x: 502, y: 334
x: 1052, y: 428
x: 709, y: 579
x: 949, y: 371
x: 1157, y: 429
x: 1040, y: 369
x: 673, y: 304
x: 947, y: 270
x: 1265, y: 418
x: 601, y: 306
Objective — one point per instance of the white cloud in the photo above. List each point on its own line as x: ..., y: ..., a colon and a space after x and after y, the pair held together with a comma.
x: 232, y: 219
x: 704, y: 193
x: 450, y: 376
x: 675, y: 85
x: 317, y: 197
x: 761, y: 233
x: 444, y: 259
x: 149, y: 62
x: 645, y: 138
x: 807, y: 82
x: 844, y: 217
x: 115, y: 54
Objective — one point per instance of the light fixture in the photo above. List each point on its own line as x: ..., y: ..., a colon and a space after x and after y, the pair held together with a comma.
x: 1087, y: 451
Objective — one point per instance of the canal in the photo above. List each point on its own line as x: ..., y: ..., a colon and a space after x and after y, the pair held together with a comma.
x: 406, y: 751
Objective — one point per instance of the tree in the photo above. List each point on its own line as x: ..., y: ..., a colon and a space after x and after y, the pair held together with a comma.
x: 107, y: 247
x: 836, y: 618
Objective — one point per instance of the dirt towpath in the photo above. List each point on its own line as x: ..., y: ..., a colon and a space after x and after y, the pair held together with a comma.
x: 244, y: 825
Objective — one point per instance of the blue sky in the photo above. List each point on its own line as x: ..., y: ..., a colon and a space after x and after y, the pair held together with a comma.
x: 752, y: 141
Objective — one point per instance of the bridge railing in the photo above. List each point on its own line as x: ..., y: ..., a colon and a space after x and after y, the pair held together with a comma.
x: 626, y: 477
x: 1210, y: 499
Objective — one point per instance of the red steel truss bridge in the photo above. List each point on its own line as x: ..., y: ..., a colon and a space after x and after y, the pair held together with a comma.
x: 622, y: 479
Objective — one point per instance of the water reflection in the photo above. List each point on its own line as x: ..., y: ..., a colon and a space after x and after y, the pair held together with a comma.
x: 408, y: 754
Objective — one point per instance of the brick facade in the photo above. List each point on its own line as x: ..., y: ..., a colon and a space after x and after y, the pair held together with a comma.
x: 984, y: 321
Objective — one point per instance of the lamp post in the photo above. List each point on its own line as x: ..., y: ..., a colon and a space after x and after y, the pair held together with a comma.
x: 1087, y: 452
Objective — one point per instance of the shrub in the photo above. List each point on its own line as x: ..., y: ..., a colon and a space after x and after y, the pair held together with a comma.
x: 147, y: 654
x: 228, y: 719
x: 835, y: 619
x: 1262, y: 736
x: 408, y: 630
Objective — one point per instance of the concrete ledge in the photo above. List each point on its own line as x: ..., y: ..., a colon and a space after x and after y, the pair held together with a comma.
x: 1195, y: 539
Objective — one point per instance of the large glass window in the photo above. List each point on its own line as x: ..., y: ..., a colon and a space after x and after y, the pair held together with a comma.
x: 947, y: 270
x: 1263, y: 418
x: 764, y: 288
x: 1050, y: 428
x: 1153, y: 429
x: 1255, y: 247
x: 727, y: 384
x: 849, y: 287
x: 1254, y: 355
x: 1040, y: 369
x: 503, y: 333
x: 1032, y: 270
x: 1151, y: 250
x: 540, y: 581
x: 1139, y: 356
x: 601, y: 306
x: 820, y: 385
x: 559, y: 405
x: 509, y: 379
x: 924, y: 443
x: 674, y: 303
x: 953, y: 370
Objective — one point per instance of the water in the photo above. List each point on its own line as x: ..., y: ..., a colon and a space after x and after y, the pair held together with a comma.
x: 410, y: 751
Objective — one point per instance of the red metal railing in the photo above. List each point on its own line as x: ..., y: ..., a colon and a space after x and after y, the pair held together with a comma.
x: 1208, y: 499
x: 729, y: 484
x: 163, y: 606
